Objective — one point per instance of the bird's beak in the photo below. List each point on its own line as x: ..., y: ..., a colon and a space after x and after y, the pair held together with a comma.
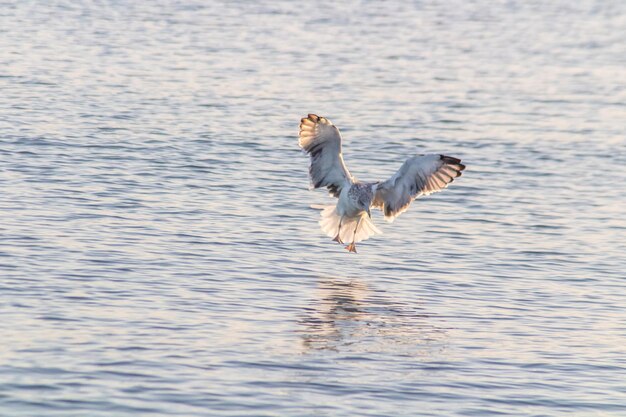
x: 369, y: 214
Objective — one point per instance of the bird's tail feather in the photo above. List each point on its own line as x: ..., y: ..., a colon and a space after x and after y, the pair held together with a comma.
x: 330, y: 225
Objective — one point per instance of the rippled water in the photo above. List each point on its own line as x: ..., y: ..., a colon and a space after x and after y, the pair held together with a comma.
x: 158, y: 255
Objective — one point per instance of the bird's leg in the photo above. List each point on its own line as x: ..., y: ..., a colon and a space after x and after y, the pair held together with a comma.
x: 337, y: 238
x: 352, y: 246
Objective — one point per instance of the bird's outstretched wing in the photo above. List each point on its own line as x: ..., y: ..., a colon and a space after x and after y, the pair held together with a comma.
x: 321, y: 139
x: 419, y: 175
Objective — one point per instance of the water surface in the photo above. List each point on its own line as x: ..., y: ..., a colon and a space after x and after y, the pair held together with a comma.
x: 158, y: 255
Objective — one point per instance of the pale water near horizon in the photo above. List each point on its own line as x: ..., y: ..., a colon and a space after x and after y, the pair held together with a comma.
x: 158, y: 255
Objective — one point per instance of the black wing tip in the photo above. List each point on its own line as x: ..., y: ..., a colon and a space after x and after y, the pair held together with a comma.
x: 449, y: 159
x: 310, y: 117
x: 453, y: 161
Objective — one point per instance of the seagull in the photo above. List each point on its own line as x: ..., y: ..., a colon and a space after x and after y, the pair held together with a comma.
x: 350, y: 220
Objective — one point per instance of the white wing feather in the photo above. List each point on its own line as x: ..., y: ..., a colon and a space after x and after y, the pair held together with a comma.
x: 322, y: 141
x: 419, y: 175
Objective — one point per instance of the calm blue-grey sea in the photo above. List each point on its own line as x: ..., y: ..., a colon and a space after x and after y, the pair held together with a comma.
x: 159, y: 256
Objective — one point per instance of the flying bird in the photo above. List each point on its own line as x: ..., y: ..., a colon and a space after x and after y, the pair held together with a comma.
x: 350, y: 220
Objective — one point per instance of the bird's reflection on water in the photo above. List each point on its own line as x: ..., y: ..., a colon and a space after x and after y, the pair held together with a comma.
x: 350, y: 315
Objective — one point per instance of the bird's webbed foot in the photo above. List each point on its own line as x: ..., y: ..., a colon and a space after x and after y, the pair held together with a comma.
x: 351, y: 247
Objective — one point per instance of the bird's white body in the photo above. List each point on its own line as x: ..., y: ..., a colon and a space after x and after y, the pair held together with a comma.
x: 350, y: 220
x: 347, y: 206
x: 348, y: 203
